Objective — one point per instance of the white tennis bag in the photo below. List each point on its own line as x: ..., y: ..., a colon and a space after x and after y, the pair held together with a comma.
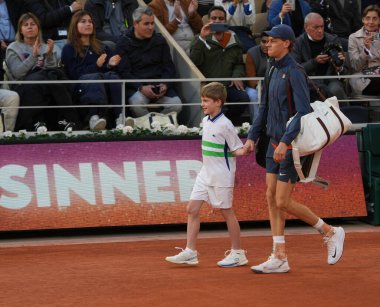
x: 319, y: 128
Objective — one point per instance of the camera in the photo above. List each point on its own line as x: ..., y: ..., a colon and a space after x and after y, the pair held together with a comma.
x: 376, y: 35
x: 219, y: 27
x: 332, y: 50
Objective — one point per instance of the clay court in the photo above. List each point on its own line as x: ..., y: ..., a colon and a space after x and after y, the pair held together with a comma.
x: 129, y: 270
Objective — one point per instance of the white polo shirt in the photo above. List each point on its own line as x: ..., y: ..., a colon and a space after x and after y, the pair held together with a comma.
x: 219, y: 139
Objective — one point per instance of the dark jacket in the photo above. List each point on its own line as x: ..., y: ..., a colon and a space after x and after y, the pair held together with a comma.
x: 15, y: 10
x: 302, y: 54
x: 344, y: 20
x: 53, y: 14
x: 275, y: 9
x: 101, y: 16
x: 144, y: 59
x: 274, y: 107
x: 218, y: 62
x: 75, y: 67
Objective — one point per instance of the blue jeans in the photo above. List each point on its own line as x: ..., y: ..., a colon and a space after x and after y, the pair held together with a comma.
x: 254, y: 105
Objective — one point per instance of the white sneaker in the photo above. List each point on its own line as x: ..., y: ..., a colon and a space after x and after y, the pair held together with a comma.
x: 272, y: 265
x: 97, y: 123
x: 129, y: 121
x: 184, y: 257
x: 335, y: 245
x: 233, y: 258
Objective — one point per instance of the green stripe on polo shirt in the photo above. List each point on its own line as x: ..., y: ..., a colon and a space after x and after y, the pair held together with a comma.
x: 212, y: 145
x: 215, y: 154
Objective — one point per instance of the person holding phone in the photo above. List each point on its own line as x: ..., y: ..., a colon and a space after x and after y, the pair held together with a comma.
x: 146, y: 55
x: 289, y: 12
x: 217, y: 53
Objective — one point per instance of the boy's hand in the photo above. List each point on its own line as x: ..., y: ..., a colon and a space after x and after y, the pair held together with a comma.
x: 249, y: 145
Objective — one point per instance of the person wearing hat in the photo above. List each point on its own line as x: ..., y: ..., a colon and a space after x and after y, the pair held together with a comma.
x: 285, y: 76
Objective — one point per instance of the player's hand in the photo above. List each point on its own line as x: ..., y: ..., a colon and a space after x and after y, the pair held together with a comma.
x: 280, y: 152
x: 249, y: 145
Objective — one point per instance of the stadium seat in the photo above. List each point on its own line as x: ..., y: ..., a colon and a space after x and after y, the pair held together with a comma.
x: 356, y: 114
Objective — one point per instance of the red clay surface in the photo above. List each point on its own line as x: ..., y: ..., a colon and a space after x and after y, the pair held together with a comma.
x: 135, y: 274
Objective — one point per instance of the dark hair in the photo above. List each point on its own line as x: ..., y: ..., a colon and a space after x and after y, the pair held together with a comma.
x: 371, y: 8
x: 217, y: 8
x: 74, y: 36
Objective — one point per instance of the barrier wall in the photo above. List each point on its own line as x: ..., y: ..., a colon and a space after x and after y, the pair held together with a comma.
x: 95, y: 184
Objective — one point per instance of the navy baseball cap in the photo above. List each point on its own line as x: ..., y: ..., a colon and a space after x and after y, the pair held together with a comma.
x: 282, y: 31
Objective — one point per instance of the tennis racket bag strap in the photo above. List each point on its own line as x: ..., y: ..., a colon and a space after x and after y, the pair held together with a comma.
x: 307, y: 168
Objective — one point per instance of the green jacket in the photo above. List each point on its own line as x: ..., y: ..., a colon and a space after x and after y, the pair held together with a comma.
x: 216, y: 62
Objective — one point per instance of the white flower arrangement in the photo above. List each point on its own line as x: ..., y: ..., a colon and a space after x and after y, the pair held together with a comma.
x: 119, y: 131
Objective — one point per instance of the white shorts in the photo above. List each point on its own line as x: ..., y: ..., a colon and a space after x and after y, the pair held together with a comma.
x: 217, y: 197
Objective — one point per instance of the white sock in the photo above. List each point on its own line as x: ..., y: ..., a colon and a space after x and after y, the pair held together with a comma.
x: 189, y: 250
x: 319, y: 226
x: 278, y: 240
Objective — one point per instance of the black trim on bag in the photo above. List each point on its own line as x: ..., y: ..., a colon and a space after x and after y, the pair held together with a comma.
x: 340, y: 120
x: 326, y: 131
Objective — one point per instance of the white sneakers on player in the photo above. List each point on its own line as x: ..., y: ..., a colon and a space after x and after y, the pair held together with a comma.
x: 272, y: 265
x: 184, y: 257
x: 335, y: 244
x: 233, y: 258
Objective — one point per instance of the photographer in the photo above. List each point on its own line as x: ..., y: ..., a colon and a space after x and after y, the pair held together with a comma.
x: 321, y: 54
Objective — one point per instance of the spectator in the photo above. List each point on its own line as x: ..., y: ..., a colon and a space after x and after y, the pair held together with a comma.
x: 265, y: 6
x: 255, y: 66
x: 204, y: 6
x: 10, y: 12
x: 280, y: 12
x: 180, y: 18
x: 84, y: 58
x: 364, y: 52
x: 9, y: 102
x: 28, y: 58
x: 146, y: 55
x: 55, y: 16
x: 341, y: 16
x: 220, y: 55
x: 111, y: 18
x: 311, y: 51
x: 241, y: 16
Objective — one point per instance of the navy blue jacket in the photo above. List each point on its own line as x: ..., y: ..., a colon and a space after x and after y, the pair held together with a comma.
x: 144, y: 59
x: 287, y: 76
x: 76, y: 66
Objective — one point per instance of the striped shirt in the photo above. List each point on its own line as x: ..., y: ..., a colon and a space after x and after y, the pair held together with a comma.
x: 219, y: 140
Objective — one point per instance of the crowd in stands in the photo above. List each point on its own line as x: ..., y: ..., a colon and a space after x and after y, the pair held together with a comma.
x: 44, y: 40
